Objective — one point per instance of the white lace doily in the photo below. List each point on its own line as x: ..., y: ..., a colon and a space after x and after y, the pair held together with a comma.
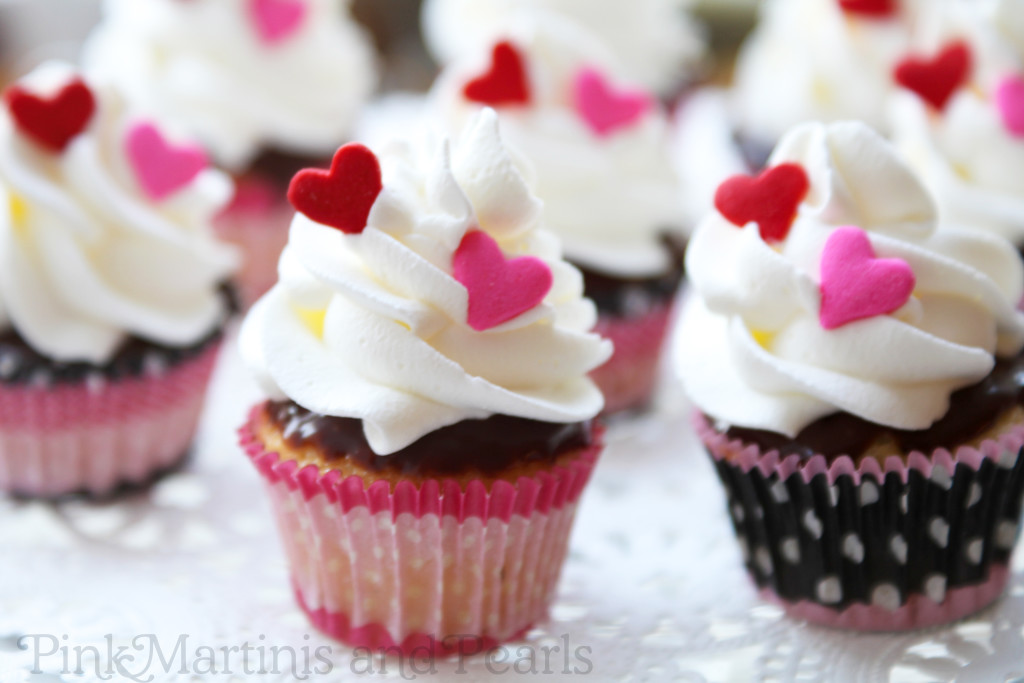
x: 653, y: 590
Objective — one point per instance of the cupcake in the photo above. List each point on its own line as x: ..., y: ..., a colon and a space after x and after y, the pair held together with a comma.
x: 858, y: 379
x: 816, y: 60
x: 112, y: 298
x: 599, y: 156
x: 657, y: 42
x: 430, y: 424
x: 267, y: 86
x: 959, y: 120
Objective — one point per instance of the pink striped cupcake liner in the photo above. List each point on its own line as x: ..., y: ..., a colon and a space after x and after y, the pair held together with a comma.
x: 428, y: 570
x: 256, y: 222
x: 876, y: 546
x: 628, y: 379
x: 96, y: 435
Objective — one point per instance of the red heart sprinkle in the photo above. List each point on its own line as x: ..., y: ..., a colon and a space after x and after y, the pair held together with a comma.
x: 770, y: 200
x: 343, y: 196
x: 855, y: 284
x: 505, y: 81
x: 499, y: 289
x: 869, y: 8
x: 52, y: 121
x: 936, y: 79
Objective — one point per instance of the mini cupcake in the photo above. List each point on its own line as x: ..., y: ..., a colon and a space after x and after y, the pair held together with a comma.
x: 959, y: 119
x: 267, y: 86
x: 430, y: 424
x: 657, y: 42
x: 112, y: 294
x: 858, y: 376
x: 816, y: 60
x: 598, y: 152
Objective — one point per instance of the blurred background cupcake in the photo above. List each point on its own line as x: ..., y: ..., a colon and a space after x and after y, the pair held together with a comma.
x: 112, y: 287
x: 594, y: 147
x: 959, y: 115
x: 816, y: 60
x: 657, y: 42
x: 268, y: 87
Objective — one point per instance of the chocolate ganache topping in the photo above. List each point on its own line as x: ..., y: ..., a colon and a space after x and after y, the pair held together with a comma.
x: 972, y: 410
x: 489, y: 445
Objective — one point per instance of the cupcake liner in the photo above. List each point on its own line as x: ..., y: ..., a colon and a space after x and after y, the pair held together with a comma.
x: 875, y: 546
x: 97, y: 435
x: 257, y: 223
x: 628, y: 378
x: 426, y: 571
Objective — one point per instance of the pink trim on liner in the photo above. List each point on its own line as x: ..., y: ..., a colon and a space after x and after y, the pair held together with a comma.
x: 628, y: 378
x: 1004, y: 450
x: 407, y: 568
x: 919, y: 611
x: 72, y: 439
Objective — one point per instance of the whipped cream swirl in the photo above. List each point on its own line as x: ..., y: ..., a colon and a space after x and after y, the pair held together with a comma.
x: 753, y: 352
x: 86, y: 258
x: 808, y: 60
x: 657, y: 41
x: 608, y: 197
x: 374, y: 325
x: 204, y: 64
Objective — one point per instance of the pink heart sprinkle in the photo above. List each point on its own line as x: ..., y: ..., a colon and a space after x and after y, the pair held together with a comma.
x: 499, y: 289
x: 603, y: 108
x: 161, y: 168
x: 276, y: 20
x: 855, y: 284
x: 1010, y: 101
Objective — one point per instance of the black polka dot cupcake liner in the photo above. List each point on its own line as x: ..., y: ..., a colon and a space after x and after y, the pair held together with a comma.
x: 876, y: 546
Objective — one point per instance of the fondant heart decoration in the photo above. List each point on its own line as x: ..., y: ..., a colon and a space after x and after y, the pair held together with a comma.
x: 52, y: 121
x: 276, y: 20
x: 771, y: 199
x: 343, y: 196
x: 499, y: 289
x: 161, y: 167
x: 877, y: 9
x: 936, y: 79
x: 857, y: 285
x: 504, y: 83
x: 604, y: 109
x: 1010, y: 103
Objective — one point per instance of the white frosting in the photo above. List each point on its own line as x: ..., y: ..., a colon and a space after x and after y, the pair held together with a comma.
x: 971, y: 162
x: 656, y: 40
x: 608, y: 198
x: 807, y: 60
x: 86, y: 259
x: 202, y: 63
x: 753, y: 352
x: 395, y: 349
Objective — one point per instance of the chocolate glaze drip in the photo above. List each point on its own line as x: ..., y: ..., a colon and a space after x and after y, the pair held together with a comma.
x: 489, y: 446
x: 972, y: 410
x: 623, y: 296
x: 279, y: 167
x: 20, y: 363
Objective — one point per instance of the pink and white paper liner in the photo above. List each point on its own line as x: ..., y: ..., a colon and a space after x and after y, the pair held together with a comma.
x: 426, y: 571
x: 94, y: 436
x: 781, y: 481
x: 628, y: 378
